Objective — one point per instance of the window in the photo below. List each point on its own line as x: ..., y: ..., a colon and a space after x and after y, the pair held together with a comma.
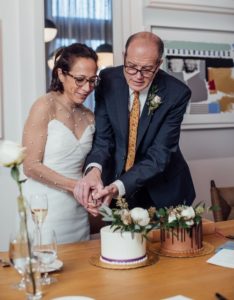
x: 86, y: 9
x: 83, y: 21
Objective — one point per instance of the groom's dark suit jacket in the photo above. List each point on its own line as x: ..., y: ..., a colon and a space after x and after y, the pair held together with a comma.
x: 159, y: 167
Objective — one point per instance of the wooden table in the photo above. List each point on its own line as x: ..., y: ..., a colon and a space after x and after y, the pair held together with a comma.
x: 191, y: 277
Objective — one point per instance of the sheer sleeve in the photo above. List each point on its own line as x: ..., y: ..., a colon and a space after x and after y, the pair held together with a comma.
x: 34, y: 139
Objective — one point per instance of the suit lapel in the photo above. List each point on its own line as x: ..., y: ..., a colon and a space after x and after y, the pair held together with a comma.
x: 122, y: 98
x: 145, y: 116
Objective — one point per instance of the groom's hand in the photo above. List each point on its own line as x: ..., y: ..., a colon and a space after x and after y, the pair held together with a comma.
x: 85, y: 186
x: 107, y: 194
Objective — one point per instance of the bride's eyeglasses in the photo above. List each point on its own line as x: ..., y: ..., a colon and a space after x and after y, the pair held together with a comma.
x: 81, y: 80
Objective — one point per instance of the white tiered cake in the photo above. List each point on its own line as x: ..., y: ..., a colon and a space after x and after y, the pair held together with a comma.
x: 122, y: 248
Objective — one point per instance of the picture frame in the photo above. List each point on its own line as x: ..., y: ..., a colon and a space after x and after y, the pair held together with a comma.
x: 201, y: 47
x: 1, y: 85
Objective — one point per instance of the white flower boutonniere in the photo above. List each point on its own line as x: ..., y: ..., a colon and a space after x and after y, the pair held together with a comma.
x: 153, y: 100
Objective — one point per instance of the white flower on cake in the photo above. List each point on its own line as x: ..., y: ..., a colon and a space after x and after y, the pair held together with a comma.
x: 11, y: 154
x: 135, y: 220
x: 171, y: 217
x: 188, y: 213
x: 182, y: 216
x: 140, y: 216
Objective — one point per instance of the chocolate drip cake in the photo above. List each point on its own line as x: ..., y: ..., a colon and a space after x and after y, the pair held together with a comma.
x: 181, y: 240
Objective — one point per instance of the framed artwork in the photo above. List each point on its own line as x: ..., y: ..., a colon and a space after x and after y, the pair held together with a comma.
x: 1, y: 85
x: 207, y: 67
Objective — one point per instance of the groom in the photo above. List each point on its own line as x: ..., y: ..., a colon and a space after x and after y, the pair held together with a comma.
x: 139, y: 110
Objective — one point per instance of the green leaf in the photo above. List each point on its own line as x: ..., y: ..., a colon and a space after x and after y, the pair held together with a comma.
x: 214, y: 207
x: 137, y: 227
x: 108, y: 219
x: 148, y: 226
x: 15, y: 173
x: 116, y: 228
x: 105, y: 209
x: 161, y: 212
x: 22, y: 181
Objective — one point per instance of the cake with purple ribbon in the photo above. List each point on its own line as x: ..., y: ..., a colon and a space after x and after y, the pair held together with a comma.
x: 123, y: 242
x: 122, y: 247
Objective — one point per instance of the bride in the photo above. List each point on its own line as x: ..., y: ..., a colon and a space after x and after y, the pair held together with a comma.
x: 58, y: 135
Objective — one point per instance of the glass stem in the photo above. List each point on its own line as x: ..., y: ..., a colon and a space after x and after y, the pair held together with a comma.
x: 21, y: 284
x: 39, y: 234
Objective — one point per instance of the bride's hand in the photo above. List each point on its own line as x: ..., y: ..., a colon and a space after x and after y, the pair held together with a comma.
x: 84, y: 187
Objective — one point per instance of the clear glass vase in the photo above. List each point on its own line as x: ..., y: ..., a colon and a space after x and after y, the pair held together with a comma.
x: 20, y: 254
x: 18, y: 245
x: 33, y: 279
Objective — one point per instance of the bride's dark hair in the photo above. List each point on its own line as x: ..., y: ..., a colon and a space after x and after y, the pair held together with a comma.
x: 64, y: 59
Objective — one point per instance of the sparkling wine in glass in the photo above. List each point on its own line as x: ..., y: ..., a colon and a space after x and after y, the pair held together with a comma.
x: 46, y: 252
x: 39, y: 210
x: 18, y: 255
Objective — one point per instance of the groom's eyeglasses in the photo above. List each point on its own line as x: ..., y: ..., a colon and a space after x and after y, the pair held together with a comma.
x: 144, y: 71
x: 81, y: 80
x: 133, y: 71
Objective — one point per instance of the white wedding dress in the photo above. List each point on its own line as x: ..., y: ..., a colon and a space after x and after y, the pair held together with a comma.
x: 65, y: 154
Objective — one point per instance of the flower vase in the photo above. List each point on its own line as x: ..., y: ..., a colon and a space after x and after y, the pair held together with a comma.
x: 33, y: 279
x: 23, y: 234
x: 32, y: 273
x: 18, y: 246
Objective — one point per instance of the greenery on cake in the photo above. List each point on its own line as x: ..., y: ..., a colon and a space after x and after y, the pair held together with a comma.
x: 181, y: 216
x: 135, y: 220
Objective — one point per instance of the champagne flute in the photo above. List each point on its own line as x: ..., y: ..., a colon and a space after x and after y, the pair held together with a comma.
x: 39, y: 210
x: 46, y: 251
x: 18, y: 255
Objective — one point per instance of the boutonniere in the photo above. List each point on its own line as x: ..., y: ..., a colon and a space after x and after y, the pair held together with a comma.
x: 153, y: 100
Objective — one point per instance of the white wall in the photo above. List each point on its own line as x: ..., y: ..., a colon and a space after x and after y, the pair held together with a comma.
x: 23, y: 80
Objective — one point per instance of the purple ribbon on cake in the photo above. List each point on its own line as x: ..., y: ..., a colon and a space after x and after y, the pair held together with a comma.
x: 123, y: 261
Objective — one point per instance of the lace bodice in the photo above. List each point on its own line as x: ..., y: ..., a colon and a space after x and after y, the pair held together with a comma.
x: 55, y: 129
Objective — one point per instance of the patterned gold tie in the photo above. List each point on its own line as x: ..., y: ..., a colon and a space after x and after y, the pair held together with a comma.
x: 133, y: 125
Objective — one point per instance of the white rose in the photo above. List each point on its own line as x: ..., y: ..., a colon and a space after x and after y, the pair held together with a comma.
x: 11, y: 153
x: 188, y: 212
x: 157, y: 100
x: 140, y: 216
x: 171, y: 217
x: 189, y: 222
